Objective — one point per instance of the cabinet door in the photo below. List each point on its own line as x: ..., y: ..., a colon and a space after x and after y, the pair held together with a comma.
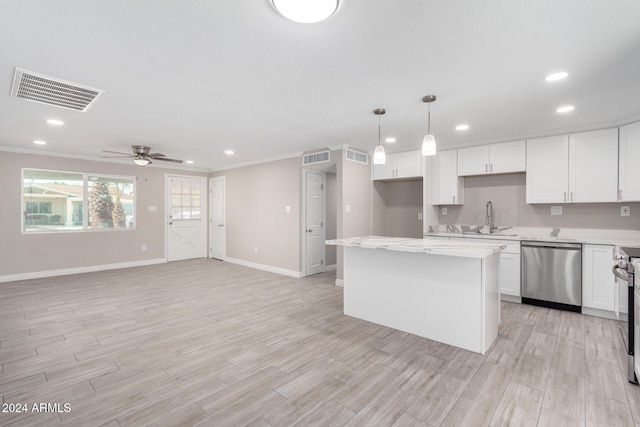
x: 408, y: 164
x: 447, y: 186
x: 510, y: 274
x: 598, y: 284
x: 593, y: 166
x: 386, y: 171
x: 629, y: 173
x: 547, y: 169
x: 473, y: 160
x: 508, y: 157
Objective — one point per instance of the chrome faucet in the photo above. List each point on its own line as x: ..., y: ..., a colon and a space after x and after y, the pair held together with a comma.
x: 489, y: 216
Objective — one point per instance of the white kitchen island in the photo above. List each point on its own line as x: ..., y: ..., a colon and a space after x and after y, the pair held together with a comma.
x: 447, y: 291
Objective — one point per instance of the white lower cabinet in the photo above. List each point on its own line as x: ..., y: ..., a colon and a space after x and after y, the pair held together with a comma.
x: 598, y: 284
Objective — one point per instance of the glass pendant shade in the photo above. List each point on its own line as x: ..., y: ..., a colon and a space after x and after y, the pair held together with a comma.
x: 141, y: 162
x: 379, y: 157
x: 429, y: 145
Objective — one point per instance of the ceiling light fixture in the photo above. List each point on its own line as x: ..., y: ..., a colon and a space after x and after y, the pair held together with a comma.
x: 556, y: 76
x: 379, y: 157
x: 40, y: 142
x: 189, y: 162
x: 565, y: 109
x: 306, y: 12
x: 429, y: 141
x: 55, y: 122
x: 462, y: 127
x: 228, y: 152
x: 390, y: 140
x: 141, y: 161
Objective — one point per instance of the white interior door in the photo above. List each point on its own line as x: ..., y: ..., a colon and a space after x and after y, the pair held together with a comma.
x: 186, y: 217
x: 218, y: 225
x: 314, y: 231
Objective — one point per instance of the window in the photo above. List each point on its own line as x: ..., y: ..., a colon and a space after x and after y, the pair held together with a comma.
x: 73, y: 201
x: 185, y: 200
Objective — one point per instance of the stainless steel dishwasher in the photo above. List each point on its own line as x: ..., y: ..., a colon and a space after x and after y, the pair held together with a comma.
x: 552, y: 274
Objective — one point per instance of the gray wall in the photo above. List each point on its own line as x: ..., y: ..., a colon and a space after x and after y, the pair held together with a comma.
x: 396, y: 208
x: 256, y: 199
x: 28, y: 253
x: 508, y: 195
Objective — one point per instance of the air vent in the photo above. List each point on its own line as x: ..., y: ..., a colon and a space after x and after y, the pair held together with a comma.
x: 313, y: 158
x: 357, y: 156
x: 53, y: 91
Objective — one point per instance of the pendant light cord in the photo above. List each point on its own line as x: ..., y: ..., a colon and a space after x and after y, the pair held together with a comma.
x: 379, y: 141
x: 429, y: 118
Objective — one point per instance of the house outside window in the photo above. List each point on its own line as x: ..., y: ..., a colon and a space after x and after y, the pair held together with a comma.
x: 55, y: 201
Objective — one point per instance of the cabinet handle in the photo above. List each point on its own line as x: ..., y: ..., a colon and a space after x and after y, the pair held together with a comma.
x: 491, y: 168
x: 454, y: 199
x: 620, y: 195
x: 571, y: 198
x: 565, y: 196
x: 486, y: 168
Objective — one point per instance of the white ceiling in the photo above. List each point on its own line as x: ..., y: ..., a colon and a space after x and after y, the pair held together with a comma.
x: 192, y: 78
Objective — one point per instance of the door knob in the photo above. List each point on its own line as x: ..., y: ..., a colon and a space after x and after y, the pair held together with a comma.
x: 170, y: 223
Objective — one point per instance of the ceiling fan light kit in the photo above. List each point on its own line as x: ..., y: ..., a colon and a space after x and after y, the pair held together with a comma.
x: 142, y: 155
x: 306, y: 12
x: 429, y: 141
x: 379, y: 157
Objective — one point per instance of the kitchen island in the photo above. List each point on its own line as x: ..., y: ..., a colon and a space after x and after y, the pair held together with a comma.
x: 442, y: 290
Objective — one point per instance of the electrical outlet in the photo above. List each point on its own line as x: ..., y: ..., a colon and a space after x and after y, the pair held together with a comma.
x: 287, y: 209
x: 347, y: 208
x: 625, y: 210
x: 153, y: 208
x: 444, y: 211
x: 144, y: 248
x: 255, y: 250
x: 556, y: 210
x: 419, y: 216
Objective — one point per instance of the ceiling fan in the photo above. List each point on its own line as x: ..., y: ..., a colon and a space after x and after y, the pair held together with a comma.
x: 141, y: 155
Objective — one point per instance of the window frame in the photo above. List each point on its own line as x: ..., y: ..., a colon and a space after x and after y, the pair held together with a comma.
x: 85, y: 202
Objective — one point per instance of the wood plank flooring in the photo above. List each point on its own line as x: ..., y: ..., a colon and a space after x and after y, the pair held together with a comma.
x: 207, y: 343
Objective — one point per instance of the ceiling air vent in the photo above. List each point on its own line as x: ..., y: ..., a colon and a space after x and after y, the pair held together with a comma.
x: 357, y: 156
x: 53, y: 91
x: 313, y: 158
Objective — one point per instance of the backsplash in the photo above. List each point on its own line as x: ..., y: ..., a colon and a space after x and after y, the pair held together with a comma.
x: 508, y: 195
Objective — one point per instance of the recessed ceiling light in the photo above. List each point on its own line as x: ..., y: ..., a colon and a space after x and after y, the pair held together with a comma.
x: 39, y: 142
x: 306, y: 12
x: 55, y: 122
x: 462, y: 127
x: 228, y: 152
x: 189, y: 162
x: 556, y: 76
x: 565, y: 109
x: 390, y: 140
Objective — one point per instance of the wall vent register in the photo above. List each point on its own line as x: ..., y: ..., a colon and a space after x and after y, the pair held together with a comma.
x: 48, y: 90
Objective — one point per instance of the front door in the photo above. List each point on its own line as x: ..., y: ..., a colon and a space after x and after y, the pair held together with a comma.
x: 314, y: 222
x: 186, y: 223
x: 218, y: 227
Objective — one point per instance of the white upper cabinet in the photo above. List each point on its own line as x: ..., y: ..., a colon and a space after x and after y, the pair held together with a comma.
x: 404, y: 165
x: 576, y: 168
x: 506, y: 157
x: 593, y: 166
x: 548, y: 169
x: 448, y: 187
x: 629, y: 172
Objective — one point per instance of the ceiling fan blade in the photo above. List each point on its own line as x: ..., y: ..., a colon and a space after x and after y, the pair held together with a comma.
x: 165, y: 159
x: 113, y: 157
x: 156, y: 155
x: 117, y: 152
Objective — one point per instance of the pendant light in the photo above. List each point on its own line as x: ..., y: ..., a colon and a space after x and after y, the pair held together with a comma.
x: 308, y: 11
x: 379, y: 157
x: 429, y: 142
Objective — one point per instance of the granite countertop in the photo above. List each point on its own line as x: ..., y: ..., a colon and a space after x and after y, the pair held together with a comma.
x: 430, y: 246
x: 570, y: 235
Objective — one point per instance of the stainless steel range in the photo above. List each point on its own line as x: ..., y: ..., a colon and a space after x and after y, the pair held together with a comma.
x: 628, y: 278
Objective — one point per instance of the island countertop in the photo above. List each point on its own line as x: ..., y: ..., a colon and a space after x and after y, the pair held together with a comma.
x: 426, y: 245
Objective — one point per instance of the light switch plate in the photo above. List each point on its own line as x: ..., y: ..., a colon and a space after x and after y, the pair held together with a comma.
x: 419, y: 216
x: 625, y: 211
x: 444, y: 211
x: 153, y: 209
x: 556, y: 210
x: 347, y: 208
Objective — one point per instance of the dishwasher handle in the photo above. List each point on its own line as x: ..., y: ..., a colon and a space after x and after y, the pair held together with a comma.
x: 552, y: 245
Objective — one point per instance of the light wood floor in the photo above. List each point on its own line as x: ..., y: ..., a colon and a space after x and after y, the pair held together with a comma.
x: 214, y: 344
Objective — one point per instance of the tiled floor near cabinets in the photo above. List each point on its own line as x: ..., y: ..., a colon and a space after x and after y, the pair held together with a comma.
x: 209, y: 343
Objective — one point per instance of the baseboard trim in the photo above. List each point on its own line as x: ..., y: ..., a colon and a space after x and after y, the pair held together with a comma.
x: 599, y: 313
x: 333, y: 267
x: 511, y: 298
x: 340, y: 283
x: 77, y: 270
x: 264, y: 267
